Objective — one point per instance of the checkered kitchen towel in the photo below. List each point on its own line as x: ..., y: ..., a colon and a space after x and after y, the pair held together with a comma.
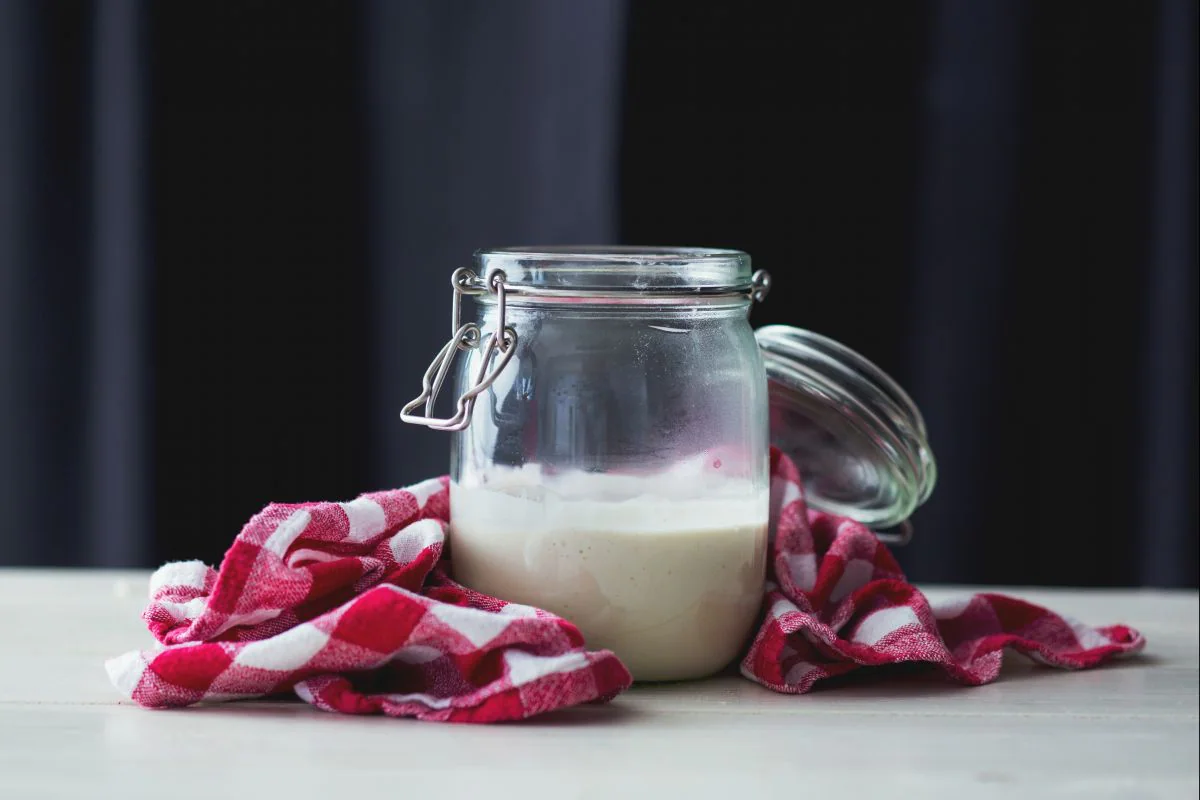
x: 348, y: 606
x: 837, y: 601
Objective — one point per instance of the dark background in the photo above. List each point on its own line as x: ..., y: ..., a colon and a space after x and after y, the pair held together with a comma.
x: 226, y: 231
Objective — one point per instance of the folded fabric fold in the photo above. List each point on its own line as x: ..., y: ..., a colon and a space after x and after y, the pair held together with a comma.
x: 837, y: 601
x: 347, y: 606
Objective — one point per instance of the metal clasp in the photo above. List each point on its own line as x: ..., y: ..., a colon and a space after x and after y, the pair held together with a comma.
x: 760, y: 285
x: 465, y: 336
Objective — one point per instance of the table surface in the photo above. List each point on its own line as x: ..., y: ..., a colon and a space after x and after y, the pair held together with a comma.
x: 1126, y: 730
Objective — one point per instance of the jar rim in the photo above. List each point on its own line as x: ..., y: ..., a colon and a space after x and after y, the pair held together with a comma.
x: 605, y: 269
x: 616, y: 254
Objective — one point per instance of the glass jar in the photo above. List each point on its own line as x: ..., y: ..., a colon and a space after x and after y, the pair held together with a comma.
x: 611, y: 443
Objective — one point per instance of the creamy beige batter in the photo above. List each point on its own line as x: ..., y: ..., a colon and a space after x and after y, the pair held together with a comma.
x: 670, y: 581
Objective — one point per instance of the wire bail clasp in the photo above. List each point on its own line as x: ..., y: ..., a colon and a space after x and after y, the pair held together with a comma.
x: 464, y: 337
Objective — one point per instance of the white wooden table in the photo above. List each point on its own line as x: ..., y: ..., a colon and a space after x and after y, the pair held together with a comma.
x: 1127, y: 730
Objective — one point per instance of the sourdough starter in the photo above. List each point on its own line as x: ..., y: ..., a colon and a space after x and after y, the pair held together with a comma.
x: 671, y: 583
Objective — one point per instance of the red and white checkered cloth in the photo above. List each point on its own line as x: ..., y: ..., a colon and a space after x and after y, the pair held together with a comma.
x: 348, y: 605
x: 837, y: 601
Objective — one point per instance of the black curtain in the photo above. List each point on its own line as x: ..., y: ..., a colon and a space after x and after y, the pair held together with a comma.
x: 226, y: 231
x: 995, y: 201
x: 75, y: 366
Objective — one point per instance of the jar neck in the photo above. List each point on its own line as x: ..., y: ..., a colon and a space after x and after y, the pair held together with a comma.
x: 723, y: 308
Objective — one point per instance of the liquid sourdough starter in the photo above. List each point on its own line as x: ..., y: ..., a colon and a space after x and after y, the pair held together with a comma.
x: 668, y: 574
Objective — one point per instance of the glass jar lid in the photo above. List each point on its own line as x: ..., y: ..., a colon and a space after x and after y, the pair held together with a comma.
x: 857, y: 439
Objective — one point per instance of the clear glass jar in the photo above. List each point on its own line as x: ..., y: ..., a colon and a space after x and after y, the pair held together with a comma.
x: 612, y: 434
x: 615, y: 471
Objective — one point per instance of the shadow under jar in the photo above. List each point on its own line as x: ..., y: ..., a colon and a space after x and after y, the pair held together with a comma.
x: 613, y: 427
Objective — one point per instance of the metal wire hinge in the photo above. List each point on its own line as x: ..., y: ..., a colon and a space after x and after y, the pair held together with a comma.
x: 501, y: 344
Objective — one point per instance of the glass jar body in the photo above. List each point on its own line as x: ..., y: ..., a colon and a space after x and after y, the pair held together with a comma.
x: 616, y: 473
